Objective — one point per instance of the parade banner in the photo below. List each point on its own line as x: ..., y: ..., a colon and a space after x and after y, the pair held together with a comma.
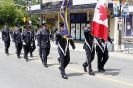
x: 124, y: 9
x: 116, y: 8
x: 64, y: 15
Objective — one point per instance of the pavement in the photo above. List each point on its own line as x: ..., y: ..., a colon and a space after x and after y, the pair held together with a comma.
x: 17, y: 73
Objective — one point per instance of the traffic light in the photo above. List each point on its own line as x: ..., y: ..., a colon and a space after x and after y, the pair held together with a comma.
x: 24, y: 19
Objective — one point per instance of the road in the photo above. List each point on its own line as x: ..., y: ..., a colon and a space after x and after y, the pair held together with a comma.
x: 17, y: 73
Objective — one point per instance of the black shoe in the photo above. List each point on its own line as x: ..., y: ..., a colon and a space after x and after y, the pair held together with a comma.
x: 18, y: 56
x: 85, y: 70
x: 45, y: 65
x: 59, y: 68
x: 27, y: 60
x: 91, y: 73
x: 103, y: 69
x: 31, y: 55
x: 7, y: 54
x: 100, y: 70
x: 64, y: 76
x: 59, y: 60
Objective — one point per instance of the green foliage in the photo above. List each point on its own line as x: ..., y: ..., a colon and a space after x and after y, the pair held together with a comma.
x: 13, y: 14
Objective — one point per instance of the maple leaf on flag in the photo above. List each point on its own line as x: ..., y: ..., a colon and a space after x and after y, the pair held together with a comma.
x: 103, y: 12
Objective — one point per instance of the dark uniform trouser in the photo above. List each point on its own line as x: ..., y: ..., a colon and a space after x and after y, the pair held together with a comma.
x: 7, y: 45
x: 45, y: 53
x: 102, y: 57
x: 18, y: 48
x: 64, y: 61
x: 90, y: 58
x: 26, y: 50
x: 32, y: 48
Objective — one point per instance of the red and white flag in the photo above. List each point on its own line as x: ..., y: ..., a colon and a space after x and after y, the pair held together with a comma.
x: 100, y: 20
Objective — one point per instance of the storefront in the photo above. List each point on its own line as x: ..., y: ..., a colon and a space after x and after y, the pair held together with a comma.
x: 77, y: 24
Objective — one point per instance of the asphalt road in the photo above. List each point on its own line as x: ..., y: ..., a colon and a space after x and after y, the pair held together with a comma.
x: 17, y: 73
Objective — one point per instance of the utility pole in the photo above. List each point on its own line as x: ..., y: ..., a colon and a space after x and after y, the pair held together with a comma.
x: 27, y: 11
x: 41, y: 15
x: 120, y: 36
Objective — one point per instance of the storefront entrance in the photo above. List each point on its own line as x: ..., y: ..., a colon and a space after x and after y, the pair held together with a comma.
x: 77, y: 24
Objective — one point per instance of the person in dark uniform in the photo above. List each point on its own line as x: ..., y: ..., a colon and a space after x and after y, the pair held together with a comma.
x: 55, y: 30
x: 6, y: 37
x: 37, y: 37
x: 102, y: 53
x: 33, y: 46
x: 63, y: 49
x: 26, y: 39
x: 44, y: 42
x: 20, y: 29
x: 17, y: 40
x: 89, y: 48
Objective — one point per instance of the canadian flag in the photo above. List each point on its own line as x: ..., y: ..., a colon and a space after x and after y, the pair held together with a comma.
x: 100, y: 20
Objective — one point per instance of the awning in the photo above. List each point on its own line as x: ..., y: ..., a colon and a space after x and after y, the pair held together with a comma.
x: 55, y: 7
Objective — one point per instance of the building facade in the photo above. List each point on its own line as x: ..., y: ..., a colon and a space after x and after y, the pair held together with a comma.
x: 80, y: 12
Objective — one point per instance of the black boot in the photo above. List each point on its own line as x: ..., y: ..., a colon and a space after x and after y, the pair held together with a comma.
x: 84, y: 67
x: 64, y: 76
x: 45, y: 64
x: 31, y: 55
x: 18, y: 56
x: 91, y: 73
x: 59, y: 59
x: 100, y: 70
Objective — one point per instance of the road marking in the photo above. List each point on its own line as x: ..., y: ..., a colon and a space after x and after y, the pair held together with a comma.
x: 79, y: 71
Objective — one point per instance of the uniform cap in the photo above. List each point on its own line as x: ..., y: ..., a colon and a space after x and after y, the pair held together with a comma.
x: 17, y: 25
x: 30, y: 27
x: 61, y: 24
x: 89, y: 22
x: 25, y: 27
x: 5, y: 24
x: 44, y: 24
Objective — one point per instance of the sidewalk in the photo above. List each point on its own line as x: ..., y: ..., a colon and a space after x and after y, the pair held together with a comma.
x: 79, y: 47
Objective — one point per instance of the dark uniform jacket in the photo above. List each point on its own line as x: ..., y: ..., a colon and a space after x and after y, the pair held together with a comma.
x: 17, y: 36
x: 44, y: 38
x: 62, y: 42
x: 6, y: 34
x: 38, y: 36
x: 26, y: 38
x: 100, y: 41
x: 32, y: 35
x: 89, y: 39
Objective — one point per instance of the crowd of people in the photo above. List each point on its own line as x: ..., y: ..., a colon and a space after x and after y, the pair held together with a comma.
x: 26, y: 39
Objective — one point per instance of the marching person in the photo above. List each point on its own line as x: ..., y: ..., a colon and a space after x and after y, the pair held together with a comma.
x: 26, y: 39
x: 33, y: 46
x: 54, y: 39
x: 102, y: 53
x: 44, y: 42
x: 37, y: 37
x: 63, y: 49
x: 89, y: 48
x: 6, y: 37
x: 17, y: 40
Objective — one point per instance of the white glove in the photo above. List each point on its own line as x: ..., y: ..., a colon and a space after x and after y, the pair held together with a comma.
x: 103, y: 44
x: 56, y: 46
x: 24, y: 43
x: 75, y: 49
x: 54, y: 42
x: 31, y: 44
